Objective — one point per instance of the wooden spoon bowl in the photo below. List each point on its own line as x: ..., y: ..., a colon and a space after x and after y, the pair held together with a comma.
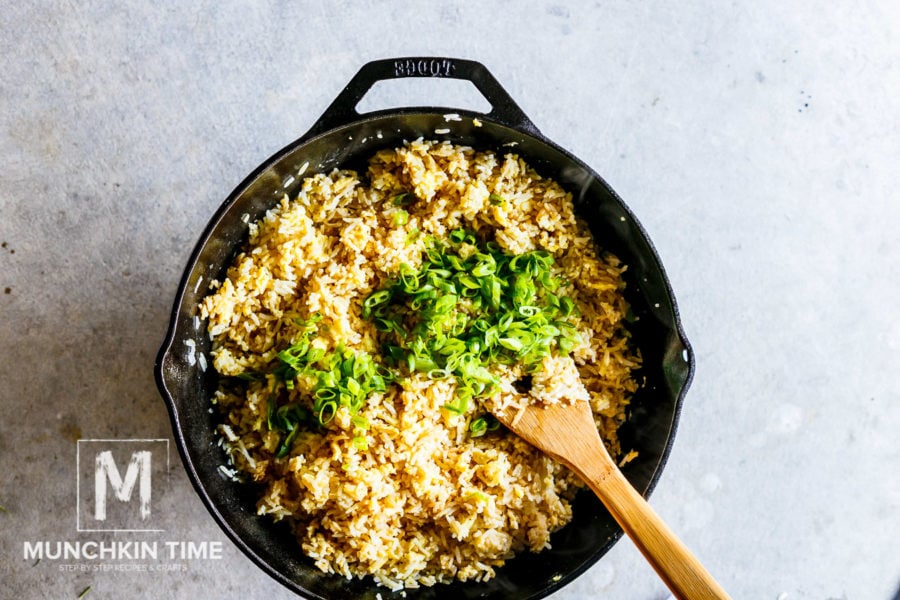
x: 567, y: 433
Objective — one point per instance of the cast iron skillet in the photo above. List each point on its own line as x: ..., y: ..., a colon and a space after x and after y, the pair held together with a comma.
x: 344, y: 138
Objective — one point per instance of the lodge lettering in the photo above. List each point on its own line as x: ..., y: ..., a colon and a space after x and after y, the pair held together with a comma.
x: 423, y: 67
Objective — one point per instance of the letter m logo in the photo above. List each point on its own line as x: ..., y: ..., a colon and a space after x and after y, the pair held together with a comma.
x: 106, y: 470
x: 120, y: 483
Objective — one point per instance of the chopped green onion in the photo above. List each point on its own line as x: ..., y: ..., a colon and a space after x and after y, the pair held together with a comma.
x: 529, y: 311
x: 485, y: 267
x: 270, y: 412
x: 250, y: 376
x: 510, y: 343
x: 377, y: 298
x: 326, y: 394
x: 438, y: 374
x: 401, y: 199
x: 326, y: 412
x: 469, y: 307
x: 457, y: 236
x: 459, y: 407
x: 342, y: 379
x: 401, y: 217
x: 478, y: 427
x: 482, y: 425
x: 287, y: 443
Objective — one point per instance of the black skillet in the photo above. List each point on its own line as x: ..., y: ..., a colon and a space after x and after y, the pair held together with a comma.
x: 344, y: 138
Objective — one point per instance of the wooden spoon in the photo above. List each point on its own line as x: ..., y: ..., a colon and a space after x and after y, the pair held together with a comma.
x: 567, y: 433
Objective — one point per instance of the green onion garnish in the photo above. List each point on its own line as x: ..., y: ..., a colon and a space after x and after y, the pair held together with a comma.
x: 483, y: 424
x: 468, y: 307
x: 342, y: 379
x: 401, y: 217
x: 463, y: 312
x: 401, y: 199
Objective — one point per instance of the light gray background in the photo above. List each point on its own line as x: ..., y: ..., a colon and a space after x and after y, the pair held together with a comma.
x: 756, y: 141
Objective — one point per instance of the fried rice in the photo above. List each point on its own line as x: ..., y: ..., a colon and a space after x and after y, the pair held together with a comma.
x: 422, y: 501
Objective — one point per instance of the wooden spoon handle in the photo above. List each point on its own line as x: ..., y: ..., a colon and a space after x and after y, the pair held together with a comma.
x: 675, y: 564
x: 567, y: 433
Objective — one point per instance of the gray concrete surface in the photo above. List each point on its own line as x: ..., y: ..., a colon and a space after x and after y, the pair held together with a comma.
x: 756, y: 141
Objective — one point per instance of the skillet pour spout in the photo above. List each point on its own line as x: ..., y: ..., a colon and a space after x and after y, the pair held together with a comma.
x: 344, y: 138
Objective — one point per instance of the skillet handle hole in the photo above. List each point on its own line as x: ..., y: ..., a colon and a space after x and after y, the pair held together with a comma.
x: 422, y: 92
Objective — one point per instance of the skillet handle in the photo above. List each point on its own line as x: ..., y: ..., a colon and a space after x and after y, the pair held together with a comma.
x: 342, y: 110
